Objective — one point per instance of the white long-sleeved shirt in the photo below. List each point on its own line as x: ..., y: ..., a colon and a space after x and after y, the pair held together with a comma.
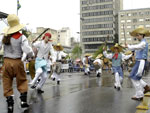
x: 44, y: 49
x: 84, y: 60
x: 139, y: 46
x: 109, y: 56
x: 100, y: 62
x: 59, y: 55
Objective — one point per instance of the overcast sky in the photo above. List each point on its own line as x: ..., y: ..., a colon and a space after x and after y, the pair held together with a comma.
x: 55, y: 14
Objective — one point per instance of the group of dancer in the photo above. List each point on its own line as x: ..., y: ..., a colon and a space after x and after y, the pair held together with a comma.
x: 140, y: 52
x: 17, y: 50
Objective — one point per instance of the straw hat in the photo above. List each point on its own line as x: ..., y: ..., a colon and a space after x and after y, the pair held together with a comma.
x: 99, y: 56
x: 140, y: 30
x: 14, y: 24
x: 58, y: 47
x: 128, y: 52
x: 116, y: 46
x: 87, y: 55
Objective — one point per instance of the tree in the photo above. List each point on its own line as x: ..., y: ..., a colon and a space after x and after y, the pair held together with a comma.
x: 26, y: 32
x: 76, y: 52
x: 100, y: 50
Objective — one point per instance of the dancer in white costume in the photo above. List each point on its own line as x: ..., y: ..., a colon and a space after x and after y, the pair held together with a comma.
x: 57, y: 67
x: 117, y: 57
x: 44, y: 47
x: 86, y: 64
x: 98, y: 63
x: 141, y: 51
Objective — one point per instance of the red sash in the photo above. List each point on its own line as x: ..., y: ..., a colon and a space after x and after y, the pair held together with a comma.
x: 17, y: 35
x: 115, y: 55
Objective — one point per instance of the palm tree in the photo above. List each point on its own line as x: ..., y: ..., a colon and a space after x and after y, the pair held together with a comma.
x: 100, y: 50
x: 76, y: 52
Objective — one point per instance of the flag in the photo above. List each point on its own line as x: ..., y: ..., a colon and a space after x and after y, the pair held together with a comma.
x: 18, y: 5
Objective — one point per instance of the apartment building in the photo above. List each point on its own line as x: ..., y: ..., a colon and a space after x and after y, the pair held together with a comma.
x: 98, y: 23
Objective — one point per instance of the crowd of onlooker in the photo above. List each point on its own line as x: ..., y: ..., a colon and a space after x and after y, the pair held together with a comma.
x: 77, y: 66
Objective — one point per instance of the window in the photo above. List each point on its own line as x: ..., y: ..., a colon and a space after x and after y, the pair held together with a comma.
x: 147, y: 19
x: 128, y: 33
x: 122, y: 21
x: 134, y: 14
x: 134, y: 20
x: 141, y: 20
x: 128, y: 21
x: 128, y: 38
x: 122, y: 15
x: 128, y: 27
x: 134, y: 26
x: 147, y: 13
x: 128, y: 14
x: 141, y: 13
x: 147, y: 25
x: 122, y: 33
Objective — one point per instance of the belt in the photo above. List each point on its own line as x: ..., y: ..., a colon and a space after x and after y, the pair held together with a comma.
x: 12, y: 58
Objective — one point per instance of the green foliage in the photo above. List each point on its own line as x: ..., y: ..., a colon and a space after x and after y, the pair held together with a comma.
x: 67, y: 57
x: 100, y: 50
x: 26, y: 33
x: 76, y: 52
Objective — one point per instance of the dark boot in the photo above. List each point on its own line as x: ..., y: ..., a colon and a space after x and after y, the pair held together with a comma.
x: 10, y: 104
x: 39, y: 91
x: 146, y: 89
x: 98, y: 75
x: 23, y: 97
x: 53, y: 79
x: 58, y: 82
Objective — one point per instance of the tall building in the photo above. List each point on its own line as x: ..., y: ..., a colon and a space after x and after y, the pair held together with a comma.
x: 98, y: 23
x: 129, y: 20
x: 64, y: 36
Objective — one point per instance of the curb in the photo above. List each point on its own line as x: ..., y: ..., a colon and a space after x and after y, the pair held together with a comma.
x: 144, y: 106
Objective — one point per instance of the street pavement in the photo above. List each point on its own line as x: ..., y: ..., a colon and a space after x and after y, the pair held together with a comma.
x: 77, y: 93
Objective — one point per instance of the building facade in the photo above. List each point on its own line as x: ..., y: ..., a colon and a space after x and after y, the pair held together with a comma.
x: 129, y: 20
x: 98, y: 23
x: 64, y: 36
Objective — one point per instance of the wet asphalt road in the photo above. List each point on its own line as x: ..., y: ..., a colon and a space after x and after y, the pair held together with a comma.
x: 77, y: 93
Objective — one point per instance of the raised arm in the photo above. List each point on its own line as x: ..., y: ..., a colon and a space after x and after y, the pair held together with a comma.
x: 109, y: 56
x: 139, y: 46
x: 125, y: 57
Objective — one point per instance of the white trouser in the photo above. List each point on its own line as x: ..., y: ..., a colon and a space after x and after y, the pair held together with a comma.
x: 53, y: 75
x: 42, y: 80
x: 118, y: 80
x: 87, y: 70
x: 56, y: 76
x: 99, y: 71
x: 138, y: 84
x: 39, y: 74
